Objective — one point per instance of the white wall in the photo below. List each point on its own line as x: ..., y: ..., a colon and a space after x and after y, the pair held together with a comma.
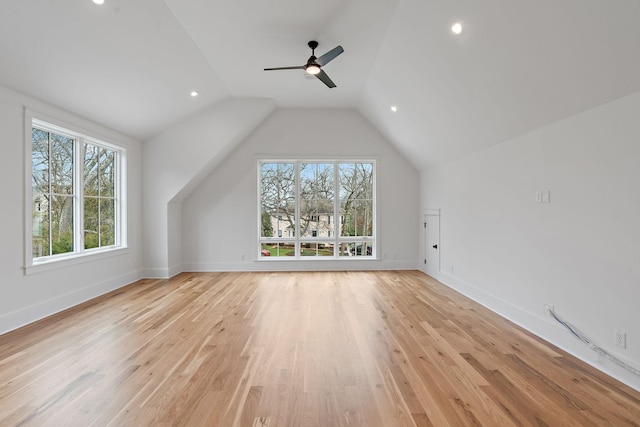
x: 26, y: 298
x: 219, y: 219
x: 176, y: 161
x: 581, y: 252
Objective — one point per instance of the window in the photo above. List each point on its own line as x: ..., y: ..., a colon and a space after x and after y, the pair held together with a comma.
x: 75, y: 192
x: 303, y: 196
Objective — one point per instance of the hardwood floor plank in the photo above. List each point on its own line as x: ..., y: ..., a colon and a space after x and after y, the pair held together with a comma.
x: 385, y: 348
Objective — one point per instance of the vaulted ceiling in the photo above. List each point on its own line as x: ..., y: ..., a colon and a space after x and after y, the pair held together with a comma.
x: 516, y: 66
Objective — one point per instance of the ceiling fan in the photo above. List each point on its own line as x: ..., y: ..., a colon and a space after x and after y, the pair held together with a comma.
x: 314, y: 65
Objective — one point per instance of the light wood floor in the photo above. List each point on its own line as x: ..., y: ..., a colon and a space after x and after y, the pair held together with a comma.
x: 296, y: 349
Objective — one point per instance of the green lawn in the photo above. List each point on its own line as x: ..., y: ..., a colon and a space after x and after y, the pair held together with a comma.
x: 289, y: 251
x: 275, y: 251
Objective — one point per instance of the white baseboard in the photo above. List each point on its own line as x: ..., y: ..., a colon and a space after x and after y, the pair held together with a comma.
x: 32, y: 313
x: 176, y: 269
x: 164, y: 272
x: 301, y: 265
x: 545, y: 328
x: 155, y: 273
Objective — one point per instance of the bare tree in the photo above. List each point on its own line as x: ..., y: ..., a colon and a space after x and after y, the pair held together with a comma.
x: 277, y: 192
x: 53, y: 185
x: 356, y: 199
x: 99, y: 200
x: 317, y: 196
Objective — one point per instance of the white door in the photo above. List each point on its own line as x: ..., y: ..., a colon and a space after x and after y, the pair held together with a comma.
x: 432, y: 242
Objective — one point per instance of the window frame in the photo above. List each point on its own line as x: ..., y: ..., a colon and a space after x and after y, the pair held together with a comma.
x: 296, y: 240
x: 80, y: 137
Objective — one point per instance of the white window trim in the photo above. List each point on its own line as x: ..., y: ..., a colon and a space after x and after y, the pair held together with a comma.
x: 375, y: 256
x: 80, y: 255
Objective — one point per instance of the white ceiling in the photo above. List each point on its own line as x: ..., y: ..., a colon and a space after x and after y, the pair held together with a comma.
x: 518, y: 65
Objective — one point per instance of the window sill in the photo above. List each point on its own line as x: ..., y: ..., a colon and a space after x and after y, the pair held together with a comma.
x: 66, y: 261
x: 314, y: 259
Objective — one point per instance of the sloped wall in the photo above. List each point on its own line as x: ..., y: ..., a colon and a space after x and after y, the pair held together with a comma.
x: 176, y: 161
x: 580, y: 252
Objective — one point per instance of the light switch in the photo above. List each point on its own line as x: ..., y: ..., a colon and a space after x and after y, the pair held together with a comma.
x: 538, y: 196
x: 546, y: 196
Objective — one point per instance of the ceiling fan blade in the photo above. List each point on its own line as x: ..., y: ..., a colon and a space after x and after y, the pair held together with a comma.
x: 298, y: 67
x: 325, y: 79
x: 329, y: 56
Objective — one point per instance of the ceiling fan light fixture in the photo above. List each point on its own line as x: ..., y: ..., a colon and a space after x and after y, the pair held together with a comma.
x: 313, y: 69
x: 314, y: 64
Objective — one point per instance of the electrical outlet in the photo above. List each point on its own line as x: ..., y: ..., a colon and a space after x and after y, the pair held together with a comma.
x: 621, y: 338
x: 548, y: 308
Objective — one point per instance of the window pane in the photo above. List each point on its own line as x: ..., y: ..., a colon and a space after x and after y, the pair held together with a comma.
x: 61, y: 224
x: 277, y: 249
x: 356, y: 248
x: 99, y: 189
x: 277, y: 197
x: 39, y: 160
x: 345, y: 249
x: 91, y: 170
x: 356, y: 218
x: 316, y: 198
x: 107, y: 169
x: 61, y: 164
x: 356, y: 199
x: 40, y: 225
x: 107, y: 222
x: 91, y: 239
x: 316, y: 248
x: 356, y: 181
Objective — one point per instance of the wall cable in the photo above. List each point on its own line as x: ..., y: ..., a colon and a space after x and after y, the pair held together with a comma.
x: 592, y: 345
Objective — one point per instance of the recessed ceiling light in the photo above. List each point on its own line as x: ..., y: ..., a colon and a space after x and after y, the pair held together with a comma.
x: 194, y: 93
x: 394, y: 108
x: 98, y: 1
x: 456, y: 28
